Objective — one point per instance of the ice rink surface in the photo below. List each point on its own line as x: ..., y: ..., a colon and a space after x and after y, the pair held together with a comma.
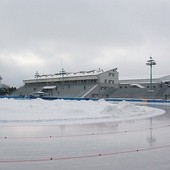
x: 125, y: 145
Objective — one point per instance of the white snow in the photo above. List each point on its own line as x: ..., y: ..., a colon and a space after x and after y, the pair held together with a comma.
x: 58, y: 112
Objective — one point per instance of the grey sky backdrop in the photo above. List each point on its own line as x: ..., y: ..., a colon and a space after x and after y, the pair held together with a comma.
x: 35, y: 35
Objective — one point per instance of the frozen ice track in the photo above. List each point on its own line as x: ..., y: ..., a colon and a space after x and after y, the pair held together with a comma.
x: 83, y: 156
x: 83, y: 135
x: 117, y: 146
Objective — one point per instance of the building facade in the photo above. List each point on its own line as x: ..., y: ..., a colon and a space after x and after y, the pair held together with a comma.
x: 94, y: 83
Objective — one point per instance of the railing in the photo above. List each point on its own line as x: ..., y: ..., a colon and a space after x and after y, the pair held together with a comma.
x: 89, y: 91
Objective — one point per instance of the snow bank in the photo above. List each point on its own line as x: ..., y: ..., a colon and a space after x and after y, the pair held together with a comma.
x: 46, y: 112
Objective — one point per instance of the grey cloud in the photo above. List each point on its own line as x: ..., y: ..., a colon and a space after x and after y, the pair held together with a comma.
x: 83, y: 32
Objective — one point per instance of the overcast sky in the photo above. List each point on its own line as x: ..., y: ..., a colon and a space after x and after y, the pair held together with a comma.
x: 36, y: 35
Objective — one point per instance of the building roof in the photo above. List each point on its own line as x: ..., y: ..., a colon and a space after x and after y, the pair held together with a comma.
x: 92, y: 74
x: 137, y: 85
x: 49, y: 87
x: 145, y: 80
x: 70, y: 74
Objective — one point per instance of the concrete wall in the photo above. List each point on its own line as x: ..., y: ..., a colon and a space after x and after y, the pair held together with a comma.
x: 109, y: 77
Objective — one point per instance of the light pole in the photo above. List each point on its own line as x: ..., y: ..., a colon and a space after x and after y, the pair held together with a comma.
x: 150, y: 63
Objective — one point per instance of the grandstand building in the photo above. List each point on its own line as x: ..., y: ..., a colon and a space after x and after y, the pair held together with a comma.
x: 85, y: 84
x: 94, y: 84
x: 141, y: 88
x: 144, y: 83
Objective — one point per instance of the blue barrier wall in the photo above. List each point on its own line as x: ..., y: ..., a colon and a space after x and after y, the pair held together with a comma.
x: 86, y: 99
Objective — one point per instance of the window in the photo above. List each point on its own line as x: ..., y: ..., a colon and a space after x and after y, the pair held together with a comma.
x: 111, y: 81
x: 105, y: 81
x: 111, y: 74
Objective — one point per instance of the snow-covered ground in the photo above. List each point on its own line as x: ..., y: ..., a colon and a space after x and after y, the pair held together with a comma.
x: 127, y: 145
x: 38, y: 112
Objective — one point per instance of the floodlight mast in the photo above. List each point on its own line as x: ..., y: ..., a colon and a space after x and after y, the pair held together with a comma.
x: 150, y: 63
